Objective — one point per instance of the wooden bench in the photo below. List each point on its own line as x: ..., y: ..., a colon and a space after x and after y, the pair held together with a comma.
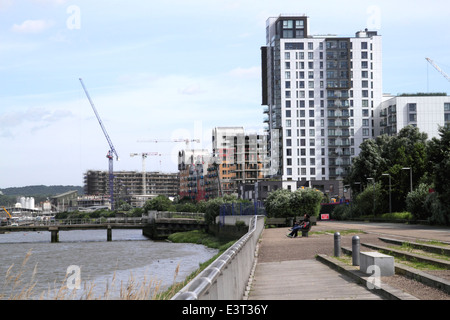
x: 279, y: 222
x: 312, y: 219
x: 289, y: 222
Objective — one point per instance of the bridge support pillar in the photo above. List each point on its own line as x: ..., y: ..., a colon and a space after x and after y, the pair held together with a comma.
x: 54, y: 234
x: 109, y: 233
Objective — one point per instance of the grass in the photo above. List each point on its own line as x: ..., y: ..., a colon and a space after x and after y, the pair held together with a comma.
x: 342, y: 232
x: 433, y: 243
x: 407, y: 247
x: 200, y: 237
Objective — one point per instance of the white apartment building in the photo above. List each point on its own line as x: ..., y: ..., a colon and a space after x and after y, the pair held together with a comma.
x: 320, y: 94
x: 427, y: 112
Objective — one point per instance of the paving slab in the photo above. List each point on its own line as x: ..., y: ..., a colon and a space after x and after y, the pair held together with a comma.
x: 304, y: 280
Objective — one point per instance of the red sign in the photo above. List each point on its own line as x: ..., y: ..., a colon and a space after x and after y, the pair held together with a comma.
x: 325, y: 216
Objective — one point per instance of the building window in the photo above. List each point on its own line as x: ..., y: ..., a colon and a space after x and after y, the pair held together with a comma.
x: 412, y: 107
x: 288, y: 24
x: 293, y: 46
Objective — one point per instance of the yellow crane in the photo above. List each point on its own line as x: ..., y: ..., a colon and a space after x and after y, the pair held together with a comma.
x: 7, y: 213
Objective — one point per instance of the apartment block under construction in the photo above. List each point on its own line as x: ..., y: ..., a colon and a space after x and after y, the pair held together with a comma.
x: 130, y: 184
x: 237, y: 158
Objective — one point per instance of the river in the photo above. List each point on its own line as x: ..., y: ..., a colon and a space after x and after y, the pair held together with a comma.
x: 29, y: 260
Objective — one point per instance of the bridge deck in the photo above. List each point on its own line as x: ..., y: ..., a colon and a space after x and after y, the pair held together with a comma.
x: 304, y: 280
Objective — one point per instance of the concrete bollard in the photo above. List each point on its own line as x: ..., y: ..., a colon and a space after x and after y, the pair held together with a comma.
x: 355, y: 250
x: 337, y: 244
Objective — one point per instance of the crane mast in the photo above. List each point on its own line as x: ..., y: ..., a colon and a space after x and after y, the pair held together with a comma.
x: 112, y: 151
x: 144, y: 156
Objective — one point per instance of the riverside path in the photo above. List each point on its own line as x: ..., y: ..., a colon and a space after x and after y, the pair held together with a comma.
x: 287, y: 268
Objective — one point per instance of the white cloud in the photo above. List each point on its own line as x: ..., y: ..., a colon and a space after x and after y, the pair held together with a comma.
x: 38, y: 118
x: 32, y: 26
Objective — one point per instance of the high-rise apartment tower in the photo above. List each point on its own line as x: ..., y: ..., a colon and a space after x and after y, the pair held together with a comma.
x: 320, y: 94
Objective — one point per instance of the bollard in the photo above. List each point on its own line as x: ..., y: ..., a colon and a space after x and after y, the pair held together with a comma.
x: 355, y: 250
x: 337, y: 244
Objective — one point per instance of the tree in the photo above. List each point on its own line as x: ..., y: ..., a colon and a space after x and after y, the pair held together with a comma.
x: 389, y: 155
x: 284, y: 203
x: 159, y: 203
x: 439, y: 155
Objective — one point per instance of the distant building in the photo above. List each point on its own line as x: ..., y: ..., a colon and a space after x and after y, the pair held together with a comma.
x: 128, y: 184
x: 243, y: 157
x: 427, y: 112
x: 237, y: 158
x: 67, y: 201
x: 197, y: 172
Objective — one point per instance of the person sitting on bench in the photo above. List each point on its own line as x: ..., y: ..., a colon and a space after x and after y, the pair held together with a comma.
x: 302, y: 226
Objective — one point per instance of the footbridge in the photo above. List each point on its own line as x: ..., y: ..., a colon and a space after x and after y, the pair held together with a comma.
x: 156, y: 225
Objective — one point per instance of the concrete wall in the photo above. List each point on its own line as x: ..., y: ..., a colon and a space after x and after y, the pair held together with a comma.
x: 227, y: 277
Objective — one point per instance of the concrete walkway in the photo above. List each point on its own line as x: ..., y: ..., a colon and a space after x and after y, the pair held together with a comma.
x: 286, y: 268
x: 304, y: 280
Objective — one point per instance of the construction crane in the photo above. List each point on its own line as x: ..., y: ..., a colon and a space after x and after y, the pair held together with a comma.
x: 9, y: 215
x: 187, y: 141
x: 144, y: 155
x: 438, y: 68
x: 112, y: 151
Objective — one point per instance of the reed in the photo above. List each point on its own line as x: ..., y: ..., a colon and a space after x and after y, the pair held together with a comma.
x: 16, y: 288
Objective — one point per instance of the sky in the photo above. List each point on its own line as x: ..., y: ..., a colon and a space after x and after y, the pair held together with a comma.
x: 168, y: 70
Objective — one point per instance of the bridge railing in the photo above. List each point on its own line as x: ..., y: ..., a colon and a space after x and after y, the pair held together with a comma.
x: 227, y: 277
x: 58, y: 222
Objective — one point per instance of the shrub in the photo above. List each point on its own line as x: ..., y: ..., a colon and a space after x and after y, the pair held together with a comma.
x: 306, y: 201
x: 415, y: 202
x: 283, y: 203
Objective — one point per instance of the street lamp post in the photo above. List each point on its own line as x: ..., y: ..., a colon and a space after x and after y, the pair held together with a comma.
x: 410, y: 177
x: 390, y: 200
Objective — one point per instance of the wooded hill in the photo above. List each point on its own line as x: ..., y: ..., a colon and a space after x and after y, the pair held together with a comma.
x: 41, y: 190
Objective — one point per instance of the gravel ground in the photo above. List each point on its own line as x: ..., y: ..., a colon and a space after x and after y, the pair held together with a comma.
x: 276, y: 246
